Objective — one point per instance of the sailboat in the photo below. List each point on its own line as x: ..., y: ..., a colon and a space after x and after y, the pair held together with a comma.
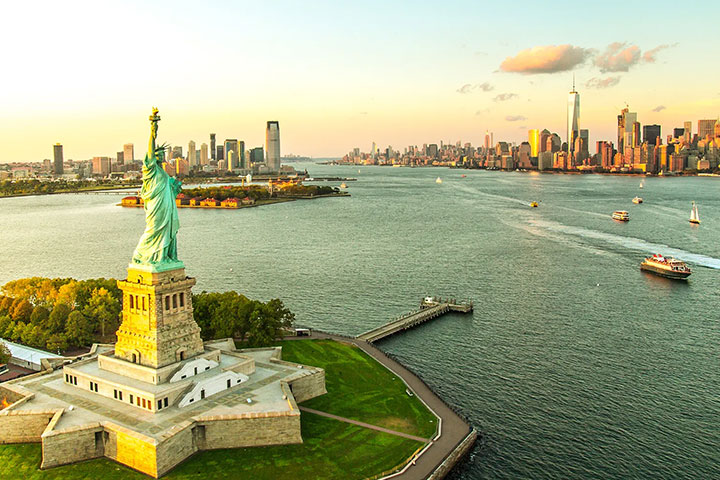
x: 438, y: 180
x: 694, y: 216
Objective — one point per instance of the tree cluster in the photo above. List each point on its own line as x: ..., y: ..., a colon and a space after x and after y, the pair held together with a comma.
x: 229, y: 314
x: 35, y: 186
x: 59, y: 313
x: 255, y: 192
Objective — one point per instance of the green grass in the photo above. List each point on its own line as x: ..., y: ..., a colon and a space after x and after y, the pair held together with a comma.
x: 360, y: 388
x: 331, y: 450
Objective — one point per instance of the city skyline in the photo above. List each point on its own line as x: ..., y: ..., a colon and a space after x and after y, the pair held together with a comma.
x: 448, y: 74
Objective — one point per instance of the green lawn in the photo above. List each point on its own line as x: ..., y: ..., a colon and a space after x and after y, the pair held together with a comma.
x: 331, y: 450
x: 360, y: 388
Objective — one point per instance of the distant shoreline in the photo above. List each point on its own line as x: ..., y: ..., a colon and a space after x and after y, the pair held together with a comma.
x: 79, y: 190
x: 259, y: 203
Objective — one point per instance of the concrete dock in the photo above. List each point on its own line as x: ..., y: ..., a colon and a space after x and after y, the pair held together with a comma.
x: 430, y: 307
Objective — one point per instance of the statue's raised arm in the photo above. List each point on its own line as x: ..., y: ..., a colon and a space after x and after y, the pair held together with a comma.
x: 157, y: 247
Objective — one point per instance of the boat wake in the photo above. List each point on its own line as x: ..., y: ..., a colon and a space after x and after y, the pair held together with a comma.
x: 629, y: 242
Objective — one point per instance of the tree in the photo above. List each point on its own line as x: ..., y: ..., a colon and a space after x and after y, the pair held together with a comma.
x: 18, y: 331
x: 104, y: 309
x: 22, y: 311
x: 57, y: 342
x: 78, y: 329
x: 39, y: 315
x: 4, y: 322
x: 57, y: 319
x: 8, y: 332
x: 4, y: 353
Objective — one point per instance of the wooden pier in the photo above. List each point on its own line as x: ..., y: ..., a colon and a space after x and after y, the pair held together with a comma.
x: 430, y: 307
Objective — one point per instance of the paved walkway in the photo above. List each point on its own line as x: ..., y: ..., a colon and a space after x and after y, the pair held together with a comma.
x: 365, y: 425
x: 454, y: 429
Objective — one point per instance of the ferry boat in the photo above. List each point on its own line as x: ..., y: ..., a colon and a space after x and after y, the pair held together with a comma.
x: 637, y: 200
x: 621, y: 215
x: 666, y: 267
x: 694, y: 215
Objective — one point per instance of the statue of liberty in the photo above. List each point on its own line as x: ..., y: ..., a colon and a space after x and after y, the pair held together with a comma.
x: 157, y: 247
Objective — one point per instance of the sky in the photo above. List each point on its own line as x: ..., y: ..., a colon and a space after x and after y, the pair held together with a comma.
x: 339, y: 75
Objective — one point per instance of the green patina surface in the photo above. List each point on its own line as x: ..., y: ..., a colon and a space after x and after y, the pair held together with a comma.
x: 360, y: 388
x: 331, y: 449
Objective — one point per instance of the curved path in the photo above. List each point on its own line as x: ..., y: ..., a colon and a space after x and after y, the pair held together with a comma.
x: 453, y: 431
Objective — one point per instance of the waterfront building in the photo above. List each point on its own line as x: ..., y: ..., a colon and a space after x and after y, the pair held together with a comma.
x: 272, y: 146
x: 545, y: 161
x: 573, y: 117
x: 128, y: 153
x: 212, y: 145
x: 561, y: 160
x: 534, y: 142
x: 524, y: 154
x: 58, y: 168
x: 705, y: 128
x: 101, y: 166
x: 204, y: 154
x: 651, y: 133
x: 626, y: 120
x: 192, y: 155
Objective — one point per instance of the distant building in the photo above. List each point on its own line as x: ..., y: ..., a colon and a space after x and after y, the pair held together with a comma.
x: 636, y: 141
x: 204, y: 154
x: 192, y: 155
x: 544, y: 135
x: 242, y: 163
x: 27, y: 357
x: 678, y: 132
x: 705, y: 128
x: 120, y: 159
x: 626, y: 120
x: 605, y: 154
x: 432, y: 150
x: 257, y: 155
x: 231, y: 146
x: 219, y: 153
x: 545, y: 161
x: 525, y: 151
x: 212, y: 146
x: 58, y: 159
x: 177, y: 151
x: 573, y: 118
x: 272, y: 146
x: 101, y: 166
x: 534, y: 142
x: 651, y: 133
x: 128, y: 153
x: 182, y: 166
x: 688, y: 131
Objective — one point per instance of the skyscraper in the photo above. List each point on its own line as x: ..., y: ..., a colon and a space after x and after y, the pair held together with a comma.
x: 257, y: 155
x: 688, y: 131
x: 651, y: 133
x: 241, y: 155
x: 534, y: 141
x: 192, y: 158
x: 272, y: 145
x: 573, y: 117
x: 219, y: 153
x: 231, y: 153
x: 636, y: 134
x: 212, y: 145
x: 58, y: 159
x: 706, y: 127
x: 204, y: 154
x: 128, y: 153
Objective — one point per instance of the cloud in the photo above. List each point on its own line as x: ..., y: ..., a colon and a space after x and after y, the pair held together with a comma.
x: 603, y: 82
x: 468, y: 88
x: 515, y: 118
x: 659, y: 108
x: 618, y: 57
x: 649, y: 56
x: 546, y: 59
x: 503, y: 97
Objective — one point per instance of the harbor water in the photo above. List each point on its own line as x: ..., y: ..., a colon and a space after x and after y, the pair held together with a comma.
x: 574, y: 364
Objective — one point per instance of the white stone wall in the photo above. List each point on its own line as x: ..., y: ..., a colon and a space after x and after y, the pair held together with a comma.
x: 211, y: 386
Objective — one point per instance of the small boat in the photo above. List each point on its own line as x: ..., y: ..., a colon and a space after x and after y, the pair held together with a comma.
x: 666, y: 267
x: 463, y: 176
x: 621, y: 215
x: 343, y: 185
x: 694, y: 216
x: 637, y: 200
x: 438, y: 180
x: 642, y: 184
x: 534, y: 204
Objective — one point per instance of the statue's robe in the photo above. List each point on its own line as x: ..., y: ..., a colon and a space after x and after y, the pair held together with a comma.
x: 158, y: 243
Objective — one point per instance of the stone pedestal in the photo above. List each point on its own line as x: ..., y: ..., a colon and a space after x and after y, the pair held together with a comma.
x: 157, y: 327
